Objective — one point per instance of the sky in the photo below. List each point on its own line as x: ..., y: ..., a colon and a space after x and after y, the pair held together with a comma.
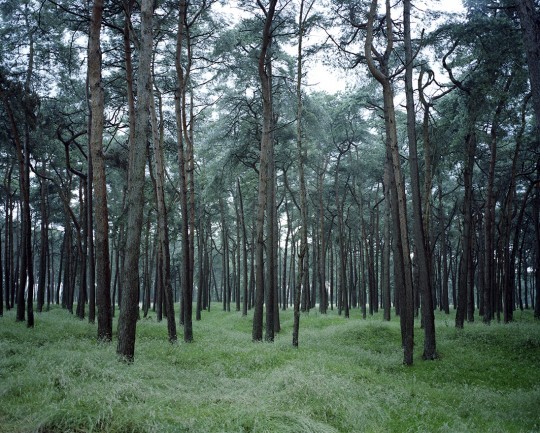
x: 321, y: 77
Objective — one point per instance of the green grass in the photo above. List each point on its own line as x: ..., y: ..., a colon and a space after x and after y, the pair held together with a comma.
x: 346, y: 376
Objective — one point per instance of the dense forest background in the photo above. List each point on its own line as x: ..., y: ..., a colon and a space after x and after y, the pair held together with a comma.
x: 163, y: 153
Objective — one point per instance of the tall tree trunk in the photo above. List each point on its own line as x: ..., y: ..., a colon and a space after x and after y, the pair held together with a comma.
x: 91, y: 271
x: 163, y: 225
x: 271, y: 211
x: 1, y: 279
x: 385, y: 265
x: 242, y: 223
x: 238, y: 259
x: 82, y: 238
x: 129, y: 307
x: 8, y: 239
x: 103, y: 272
x: 422, y: 260
x: 265, y: 76
x: 322, y: 241
x: 529, y: 16
x: 182, y: 74
x: 25, y: 193
x: 536, y: 223
x: 489, y: 220
x: 301, y: 155
x: 343, y: 303
x: 44, y: 242
x: 25, y: 264
x: 397, y: 189
x: 467, y: 230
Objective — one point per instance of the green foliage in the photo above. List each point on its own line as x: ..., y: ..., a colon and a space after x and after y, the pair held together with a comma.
x: 346, y: 376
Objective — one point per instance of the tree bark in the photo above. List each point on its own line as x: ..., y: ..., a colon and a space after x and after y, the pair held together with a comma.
x: 44, y: 242
x: 536, y: 222
x: 529, y: 17
x: 25, y: 265
x: 467, y: 230
x: 163, y: 224
x: 103, y: 272
x: 183, y: 136
x: 422, y: 260
x: 8, y: 239
x: 242, y: 223
x: 265, y: 76
x: 129, y: 307
x: 397, y: 191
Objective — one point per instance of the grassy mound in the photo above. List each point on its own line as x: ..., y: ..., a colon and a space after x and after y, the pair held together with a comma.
x: 346, y: 376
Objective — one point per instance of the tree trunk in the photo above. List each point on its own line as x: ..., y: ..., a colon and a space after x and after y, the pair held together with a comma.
x: 25, y: 265
x: 1, y: 279
x: 536, y: 223
x: 163, y: 225
x: 467, y: 230
x: 103, y: 272
x: 129, y: 307
x: 265, y: 76
x: 422, y: 260
x: 183, y: 136
x: 8, y: 240
x: 397, y: 189
x: 529, y: 17
x: 242, y: 223
x: 323, y: 306
x: 91, y: 271
x: 82, y: 238
x: 301, y: 155
x: 385, y: 265
x: 44, y: 242
x: 489, y: 219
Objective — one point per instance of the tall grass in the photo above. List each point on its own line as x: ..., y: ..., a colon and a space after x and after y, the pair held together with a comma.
x: 346, y: 376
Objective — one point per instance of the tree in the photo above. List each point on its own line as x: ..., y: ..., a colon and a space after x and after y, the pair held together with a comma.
x: 95, y: 83
x: 302, y: 268
x: 129, y: 307
x: 265, y: 76
x: 423, y: 263
x: 529, y: 16
x: 397, y: 189
x: 163, y: 225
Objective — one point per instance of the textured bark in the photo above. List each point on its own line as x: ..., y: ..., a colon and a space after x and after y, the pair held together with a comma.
x: 163, y: 224
x: 536, y: 222
x: 301, y: 155
x: 242, y: 223
x: 182, y: 73
x: 1, y: 279
x: 385, y: 265
x: 489, y: 218
x: 44, y: 242
x: 529, y: 16
x: 91, y: 261
x: 422, y: 252
x: 129, y: 307
x: 103, y: 272
x: 265, y: 76
x: 8, y: 240
x: 467, y: 230
x: 322, y: 241
x: 26, y: 239
x: 397, y: 188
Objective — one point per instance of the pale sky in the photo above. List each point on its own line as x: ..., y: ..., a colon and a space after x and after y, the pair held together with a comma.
x: 324, y: 78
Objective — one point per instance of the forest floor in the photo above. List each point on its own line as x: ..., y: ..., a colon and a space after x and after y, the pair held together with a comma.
x: 346, y: 376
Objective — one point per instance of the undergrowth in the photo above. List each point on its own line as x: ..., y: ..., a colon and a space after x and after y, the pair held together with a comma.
x: 346, y: 376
